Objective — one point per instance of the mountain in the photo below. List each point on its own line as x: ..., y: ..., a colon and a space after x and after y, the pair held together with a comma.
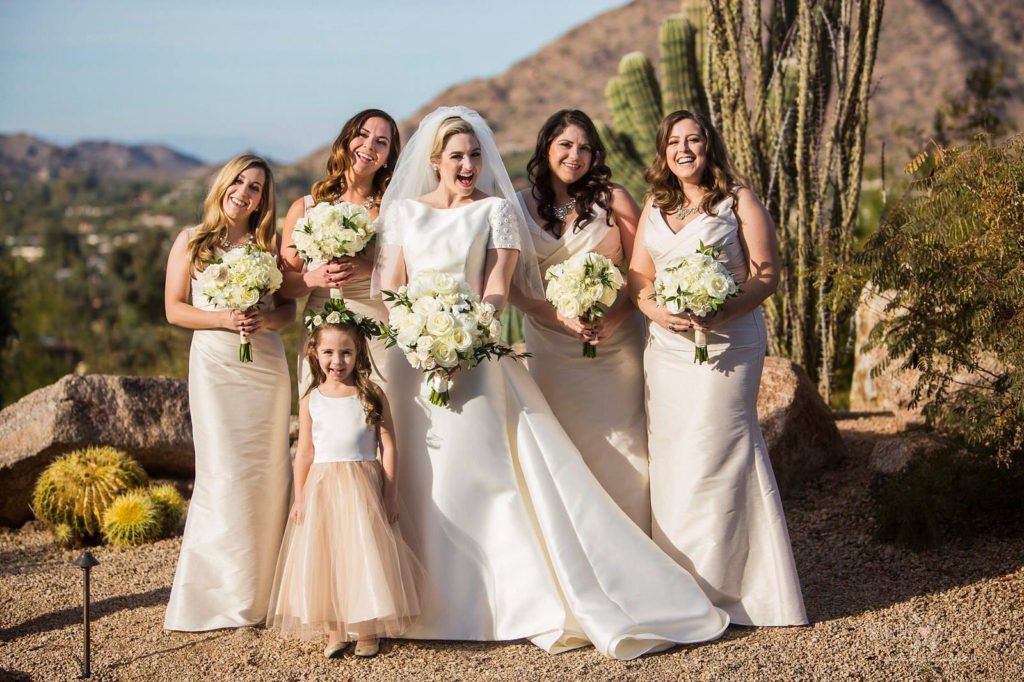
x: 23, y: 156
x: 925, y: 50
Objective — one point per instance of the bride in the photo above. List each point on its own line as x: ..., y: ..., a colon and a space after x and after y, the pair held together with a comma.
x: 517, y: 536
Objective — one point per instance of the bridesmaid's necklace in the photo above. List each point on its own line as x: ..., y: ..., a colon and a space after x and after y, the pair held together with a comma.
x: 562, y: 211
x: 226, y: 244
x: 687, y: 211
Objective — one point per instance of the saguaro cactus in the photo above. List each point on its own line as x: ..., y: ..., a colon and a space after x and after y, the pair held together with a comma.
x: 787, y: 84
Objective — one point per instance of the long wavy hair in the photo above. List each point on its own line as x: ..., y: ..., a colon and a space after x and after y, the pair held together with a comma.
x: 214, y: 228
x: 719, y: 179
x: 369, y: 392
x: 594, y: 188
x: 339, y: 162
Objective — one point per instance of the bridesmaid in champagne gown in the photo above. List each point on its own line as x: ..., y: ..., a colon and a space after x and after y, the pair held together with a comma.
x: 360, y: 165
x: 239, y: 416
x: 715, y: 504
x: 517, y: 537
x: 573, y: 208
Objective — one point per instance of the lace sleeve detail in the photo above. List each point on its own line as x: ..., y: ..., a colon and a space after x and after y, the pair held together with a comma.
x: 504, y: 228
x: 389, y: 226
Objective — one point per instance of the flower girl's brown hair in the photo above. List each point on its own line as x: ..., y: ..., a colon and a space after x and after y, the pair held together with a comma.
x: 369, y: 393
x: 214, y: 228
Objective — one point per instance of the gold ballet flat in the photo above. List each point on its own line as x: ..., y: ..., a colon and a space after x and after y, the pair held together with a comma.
x: 365, y: 648
x: 334, y: 648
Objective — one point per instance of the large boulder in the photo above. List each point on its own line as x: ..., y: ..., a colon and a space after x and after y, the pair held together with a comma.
x: 798, y: 426
x: 148, y: 417
x: 890, y: 391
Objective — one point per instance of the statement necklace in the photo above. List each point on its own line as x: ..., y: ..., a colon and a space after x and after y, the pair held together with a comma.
x: 562, y: 211
x: 687, y: 211
x: 226, y: 245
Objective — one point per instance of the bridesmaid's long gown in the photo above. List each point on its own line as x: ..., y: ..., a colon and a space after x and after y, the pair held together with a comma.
x: 716, y: 506
x: 599, y: 401
x: 243, y: 479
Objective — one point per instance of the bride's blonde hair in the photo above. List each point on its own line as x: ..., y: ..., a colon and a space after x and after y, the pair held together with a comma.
x: 449, y: 128
x: 214, y: 228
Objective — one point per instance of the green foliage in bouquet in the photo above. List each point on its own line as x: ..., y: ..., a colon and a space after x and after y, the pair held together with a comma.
x: 132, y: 519
x: 170, y: 506
x: 76, y: 489
x: 951, y: 258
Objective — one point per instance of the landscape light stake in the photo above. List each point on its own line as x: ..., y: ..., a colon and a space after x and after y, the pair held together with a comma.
x: 85, y: 562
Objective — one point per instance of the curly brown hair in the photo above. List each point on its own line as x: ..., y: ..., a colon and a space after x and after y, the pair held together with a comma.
x: 594, y: 188
x: 369, y: 393
x: 335, y: 184
x: 719, y: 179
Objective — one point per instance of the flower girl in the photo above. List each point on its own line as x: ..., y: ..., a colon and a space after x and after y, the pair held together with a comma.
x: 344, y: 570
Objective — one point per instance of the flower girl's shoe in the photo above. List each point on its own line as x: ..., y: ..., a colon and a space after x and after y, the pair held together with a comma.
x: 365, y: 648
x: 334, y: 648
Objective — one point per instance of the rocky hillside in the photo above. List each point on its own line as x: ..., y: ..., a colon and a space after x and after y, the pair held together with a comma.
x: 23, y: 156
x: 925, y: 50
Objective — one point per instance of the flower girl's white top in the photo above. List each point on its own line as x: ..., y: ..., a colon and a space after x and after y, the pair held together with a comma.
x: 452, y: 240
x: 340, y: 431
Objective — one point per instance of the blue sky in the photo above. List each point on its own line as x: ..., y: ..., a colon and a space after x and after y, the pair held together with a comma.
x: 212, y: 77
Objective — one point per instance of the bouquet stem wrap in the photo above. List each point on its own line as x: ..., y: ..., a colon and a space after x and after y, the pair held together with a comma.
x: 700, y: 352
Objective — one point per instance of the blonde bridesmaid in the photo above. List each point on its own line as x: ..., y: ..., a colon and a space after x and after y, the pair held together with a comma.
x: 715, y: 504
x: 572, y: 207
x: 239, y: 415
x: 359, y: 167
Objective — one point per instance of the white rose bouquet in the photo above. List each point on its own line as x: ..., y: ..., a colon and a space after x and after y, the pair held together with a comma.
x: 577, y: 285
x: 699, y: 283
x: 238, y: 280
x: 441, y: 325
x: 330, y: 231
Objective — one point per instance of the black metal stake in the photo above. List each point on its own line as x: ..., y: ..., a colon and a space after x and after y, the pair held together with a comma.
x: 86, y: 562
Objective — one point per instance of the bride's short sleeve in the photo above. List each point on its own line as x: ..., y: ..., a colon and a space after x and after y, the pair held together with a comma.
x: 389, y: 226
x: 505, y: 227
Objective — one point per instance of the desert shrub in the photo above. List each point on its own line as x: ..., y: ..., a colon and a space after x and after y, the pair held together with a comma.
x: 950, y: 256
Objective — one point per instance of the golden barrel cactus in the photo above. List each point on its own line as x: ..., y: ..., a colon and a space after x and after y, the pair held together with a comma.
x: 132, y: 519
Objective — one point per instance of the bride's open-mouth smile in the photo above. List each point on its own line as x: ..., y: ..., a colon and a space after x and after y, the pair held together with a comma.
x: 466, y: 179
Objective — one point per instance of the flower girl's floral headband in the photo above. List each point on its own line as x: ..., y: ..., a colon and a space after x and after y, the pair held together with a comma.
x: 335, y: 312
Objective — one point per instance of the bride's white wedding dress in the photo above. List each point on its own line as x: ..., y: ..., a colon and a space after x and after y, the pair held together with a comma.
x: 517, y: 536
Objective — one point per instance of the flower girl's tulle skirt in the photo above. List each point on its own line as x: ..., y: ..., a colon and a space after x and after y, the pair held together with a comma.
x: 344, y: 567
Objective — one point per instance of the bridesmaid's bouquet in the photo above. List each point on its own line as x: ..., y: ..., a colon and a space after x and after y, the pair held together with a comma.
x: 238, y: 280
x: 699, y: 283
x: 578, y: 284
x: 330, y: 231
x: 441, y: 325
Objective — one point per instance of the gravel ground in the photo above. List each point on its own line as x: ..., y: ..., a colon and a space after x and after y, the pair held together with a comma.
x: 877, y: 613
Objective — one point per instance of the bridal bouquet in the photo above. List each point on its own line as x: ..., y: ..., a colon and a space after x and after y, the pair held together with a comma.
x: 330, y: 231
x: 441, y: 325
x: 238, y: 280
x: 699, y: 283
x: 578, y: 284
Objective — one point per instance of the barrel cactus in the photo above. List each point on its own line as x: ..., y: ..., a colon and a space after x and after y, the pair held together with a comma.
x: 76, y: 489
x: 132, y: 519
x: 171, y: 507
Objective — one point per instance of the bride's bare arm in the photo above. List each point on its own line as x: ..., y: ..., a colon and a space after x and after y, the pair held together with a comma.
x: 498, y: 270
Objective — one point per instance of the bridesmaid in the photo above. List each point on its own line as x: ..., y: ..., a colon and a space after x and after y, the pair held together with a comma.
x: 716, y: 508
x: 239, y: 415
x: 360, y: 165
x: 572, y: 207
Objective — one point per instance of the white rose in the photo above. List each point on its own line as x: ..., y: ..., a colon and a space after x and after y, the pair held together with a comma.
x: 494, y: 329
x: 249, y: 298
x: 407, y: 336
x: 461, y: 339
x: 398, y: 315
x: 440, y: 323
x: 425, y: 305
x: 609, y: 296
x: 717, y: 285
x: 443, y: 283
x: 317, y: 320
x: 334, y: 318
x: 444, y: 353
x: 569, y: 306
x: 485, y: 313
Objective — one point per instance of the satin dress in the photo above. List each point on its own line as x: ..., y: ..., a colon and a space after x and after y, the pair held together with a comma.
x: 239, y: 504
x: 715, y: 503
x: 517, y: 537
x: 599, y: 401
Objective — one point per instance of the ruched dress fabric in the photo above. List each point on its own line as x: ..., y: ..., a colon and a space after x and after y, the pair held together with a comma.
x: 517, y: 537
x: 599, y: 401
x: 239, y: 504
x: 715, y: 503
x: 344, y: 568
x: 358, y: 300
